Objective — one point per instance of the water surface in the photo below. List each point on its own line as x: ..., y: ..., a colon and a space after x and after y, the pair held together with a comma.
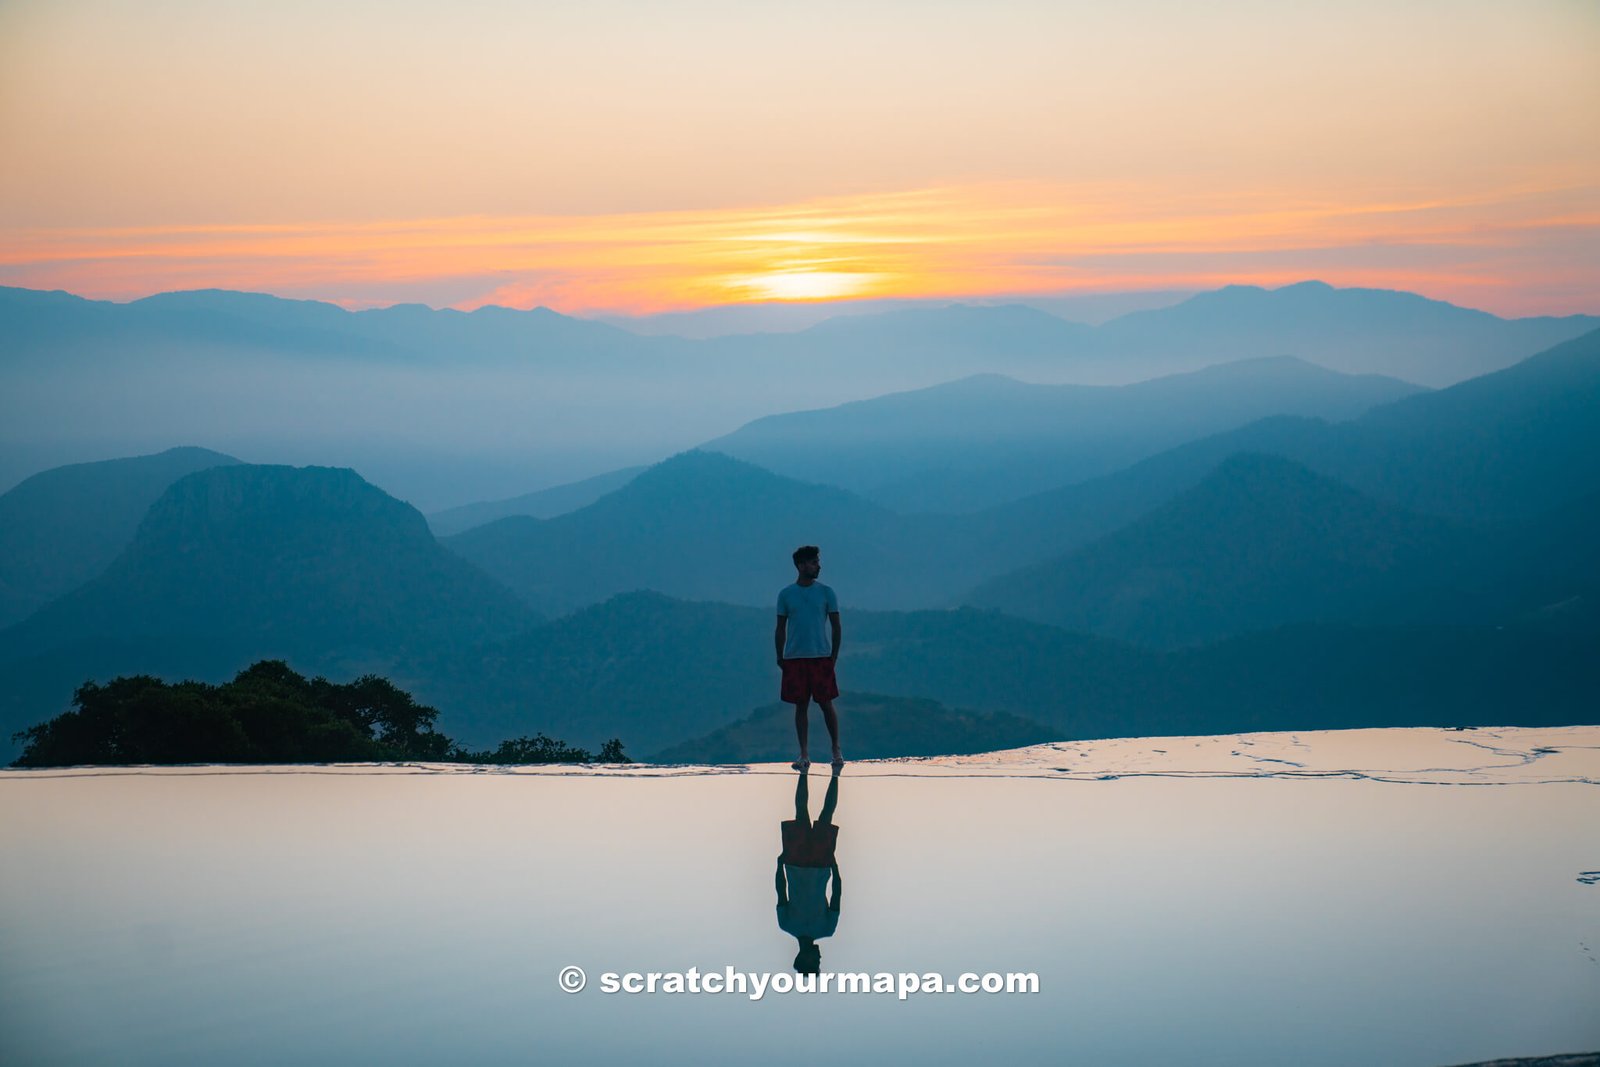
x: 1400, y: 897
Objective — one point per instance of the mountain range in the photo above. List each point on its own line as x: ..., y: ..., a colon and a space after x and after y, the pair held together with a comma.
x: 444, y: 407
x: 314, y: 566
x: 243, y: 562
x: 704, y: 526
x: 982, y: 441
x: 790, y: 316
x: 1427, y: 562
x: 1495, y: 450
x: 540, y: 504
x: 63, y: 526
x: 1260, y: 542
x: 1264, y: 542
x: 1358, y: 331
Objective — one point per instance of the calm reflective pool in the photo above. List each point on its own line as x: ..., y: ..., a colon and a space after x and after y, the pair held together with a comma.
x: 1400, y: 897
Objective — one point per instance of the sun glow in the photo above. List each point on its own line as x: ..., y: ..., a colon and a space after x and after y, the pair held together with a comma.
x: 801, y: 285
x: 976, y: 241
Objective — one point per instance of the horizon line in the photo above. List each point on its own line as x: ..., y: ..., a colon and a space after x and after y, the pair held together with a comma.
x: 606, y: 316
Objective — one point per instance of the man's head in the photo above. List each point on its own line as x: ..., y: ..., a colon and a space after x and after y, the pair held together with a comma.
x: 808, y: 561
x: 809, y: 959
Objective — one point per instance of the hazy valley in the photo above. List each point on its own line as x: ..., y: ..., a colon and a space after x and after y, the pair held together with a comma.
x: 1264, y: 543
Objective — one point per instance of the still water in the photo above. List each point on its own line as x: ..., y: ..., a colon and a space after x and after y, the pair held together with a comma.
x: 1408, y: 897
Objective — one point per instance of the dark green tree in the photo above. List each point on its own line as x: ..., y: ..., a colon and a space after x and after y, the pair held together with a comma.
x: 268, y: 714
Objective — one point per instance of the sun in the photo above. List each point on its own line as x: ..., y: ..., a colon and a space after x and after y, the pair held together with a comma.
x: 801, y: 284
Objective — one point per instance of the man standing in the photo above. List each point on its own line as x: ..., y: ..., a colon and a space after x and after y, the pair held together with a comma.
x: 807, y: 650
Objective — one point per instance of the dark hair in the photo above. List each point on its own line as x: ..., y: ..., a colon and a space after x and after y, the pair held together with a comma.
x: 805, y: 554
x: 809, y: 959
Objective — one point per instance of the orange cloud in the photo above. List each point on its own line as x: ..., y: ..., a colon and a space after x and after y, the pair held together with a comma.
x: 1509, y: 250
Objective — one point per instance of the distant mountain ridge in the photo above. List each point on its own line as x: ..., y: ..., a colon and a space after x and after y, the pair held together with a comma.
x: 699, y: 524
x: 1355, y: 330
x: 405, y: 332
x: 547, y: 391
x: 242, y: 548
x: 982, y: 441
x: 1496, y: 448
x: 540, y: 504
x: 311, y: 565
x: 987, y: 439
x: 787, y: 316
x: 1261, y: 542
x: 1520, y: 442
x: 61, y: 527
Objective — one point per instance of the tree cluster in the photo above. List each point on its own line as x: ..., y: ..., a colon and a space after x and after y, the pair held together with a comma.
x: 267, y: 714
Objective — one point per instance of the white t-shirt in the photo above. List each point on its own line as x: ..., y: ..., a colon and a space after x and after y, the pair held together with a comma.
x: 807, y: 608
x: 807, y: 913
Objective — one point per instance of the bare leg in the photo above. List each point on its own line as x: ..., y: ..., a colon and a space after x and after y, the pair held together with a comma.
x: 802, y: 804
x: 830, y: 800
x: 801, y: 728
x: 830, y: 717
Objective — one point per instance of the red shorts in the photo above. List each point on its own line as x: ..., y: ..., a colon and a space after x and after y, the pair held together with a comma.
x: 808, y: 679
x: 809, y: 846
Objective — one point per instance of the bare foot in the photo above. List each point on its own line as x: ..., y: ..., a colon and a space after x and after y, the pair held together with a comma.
x: 838, y: 760
x: 801, y: 765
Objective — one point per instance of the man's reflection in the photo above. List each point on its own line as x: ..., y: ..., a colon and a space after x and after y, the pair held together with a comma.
x: 804, y: 907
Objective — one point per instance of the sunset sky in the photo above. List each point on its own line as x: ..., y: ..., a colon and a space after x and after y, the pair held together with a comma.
x: 632, y: 157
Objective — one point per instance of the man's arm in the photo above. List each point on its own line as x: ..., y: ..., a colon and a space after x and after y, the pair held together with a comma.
x: 779, y: 635
x: 838, y: 633
x: 838, y: 889
x: 783, y: 889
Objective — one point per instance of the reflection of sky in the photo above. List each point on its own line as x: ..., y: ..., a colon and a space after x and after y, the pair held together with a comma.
x: 251, y: 917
